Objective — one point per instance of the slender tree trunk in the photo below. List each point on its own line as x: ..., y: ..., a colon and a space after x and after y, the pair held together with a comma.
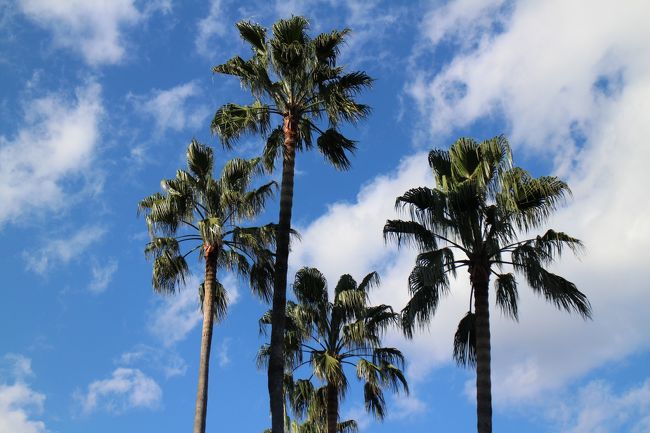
x: 480, y: 282
x: 206, y: 341
x: 276, y: 358
x: 332, y: 408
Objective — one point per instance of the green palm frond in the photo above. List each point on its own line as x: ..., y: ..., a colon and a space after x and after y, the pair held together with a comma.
x: 273, y: 148
x: 169, y: 272
x: 507, y: 295
x: 335, y: 147
x: 254, y: 34
x: 310, y: 287
x: 233, y: 120
x: 557, y: 290
x: 427, y: 285
x: 200, y: 160
x: 409, y: 233
x: 374, y: 400
x: 465, y: 341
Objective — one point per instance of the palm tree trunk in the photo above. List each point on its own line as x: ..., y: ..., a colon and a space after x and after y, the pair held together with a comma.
x: 206, y: 342
x: 332, y: 408
x: 480, y: 283
x: 276, y: 358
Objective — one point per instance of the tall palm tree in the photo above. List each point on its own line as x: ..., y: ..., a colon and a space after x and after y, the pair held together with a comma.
x: 296, y: 79
x: 479, y: 207
x: 197, y: 210
x: 327, y: 336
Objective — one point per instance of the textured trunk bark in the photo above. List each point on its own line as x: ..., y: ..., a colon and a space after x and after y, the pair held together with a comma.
x: 332, y: 408
x: 206, y: 342
x: 276, y: 358
x: 480, y: 282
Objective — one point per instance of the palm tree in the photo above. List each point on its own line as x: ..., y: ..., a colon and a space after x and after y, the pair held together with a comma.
x: 330, y: 335
x: 296, y: 79
x: 480, y: 206
x: 308, y: 403
x: 197, y: 210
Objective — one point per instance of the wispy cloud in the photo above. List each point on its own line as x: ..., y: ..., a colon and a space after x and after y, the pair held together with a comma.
x: 214, y: 24
x: 223, y: 352
x: 175, y: 109
x: 17, y: 366
x: 165, y: 360
x: 67, y: 131
x: 127, y: 388
x: 93, y: 29
x: 102, y: 274
x: 63, y: 250
x: 598, y: 408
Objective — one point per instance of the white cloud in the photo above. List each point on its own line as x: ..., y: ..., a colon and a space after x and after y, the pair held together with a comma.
x: 544, y: 75
x: 209, y: 27
x: 102, y: 274
x: 462, y: 21
x: 127, y: 388
x: 56, y: 143
x: 167, y: 361
x: 18, y: 401
x: 63, y: 250
x: 176, y: 315
x: 572, y: 83
x: 348, y: 237
x: 598, y: 408
x: 171, y: 108
x: 95, y: 29
x: 406, y: 406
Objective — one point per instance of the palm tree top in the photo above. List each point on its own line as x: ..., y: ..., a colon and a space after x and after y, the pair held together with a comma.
x: 480, y: 206
x: 205, y: 213
x: 296, y: 77
x: 329, y: 334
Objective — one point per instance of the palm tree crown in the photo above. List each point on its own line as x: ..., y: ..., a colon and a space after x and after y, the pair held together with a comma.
x: 197, y: 210
x: 327, y: 336
x: 479, y: 207
x: 296, y: 79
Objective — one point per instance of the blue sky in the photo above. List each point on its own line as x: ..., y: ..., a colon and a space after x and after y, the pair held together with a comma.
x: 100, y: 99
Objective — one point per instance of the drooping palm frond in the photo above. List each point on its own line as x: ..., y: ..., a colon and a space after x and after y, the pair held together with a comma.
x: 465, y: 341
x: 507, y: 295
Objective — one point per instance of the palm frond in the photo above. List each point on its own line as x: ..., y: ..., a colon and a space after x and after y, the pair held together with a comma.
x: 327, y: 46
x: 427, y: 285
x: 507, y: 295
x: 169, y: 272
x: 335, y: 148
x: 310, y: 287
x: 409, y: 233
x: 254, y: 34
x: 200, y: 160
x: 465, y: 341
x: 232, y: 120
